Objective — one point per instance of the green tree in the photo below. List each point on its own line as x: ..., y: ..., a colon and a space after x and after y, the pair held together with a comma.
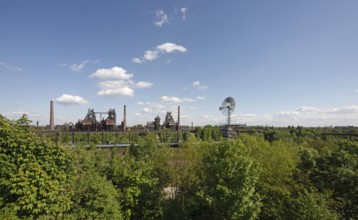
x: 140, y: 177
x: 277, y: 162
x: 225, y: 185
x: 35, y: 176
x: 337, y: 171
x: 94, y: 196
x: 139, y: 188
x: 308, y: 206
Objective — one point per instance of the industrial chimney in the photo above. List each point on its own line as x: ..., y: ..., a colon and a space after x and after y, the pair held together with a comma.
x: 52, y: 116
x: 178, y: 128
x: 124, y: 118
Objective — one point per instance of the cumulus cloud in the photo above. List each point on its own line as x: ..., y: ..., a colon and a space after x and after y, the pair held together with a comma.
x: 193, y: 107
x: 78, y: 67
x: 188, y: 100
x: 165, y: 104
x: 116, y: 82
x: 342, y: 110
x: 115, y: 88
x: 137, y: 60
x: 196, y: 83
x: 146, y: 110
x: 150, y: 55
x: 183, y: 11
x: 173, y: 99
x: 160, y: 18
x: 164, y: 48
x: 345, y: 110
x: 67, y: 99
x: 156, y: 108
x: 143, y: 85
x: 12, y: 68
x: 305, y: 116
x: 170, y: 48
x: 125, y: 91
x: 113, y: 73
x: 113, y: 84
x: 199, y: 86
x: 170, y: 99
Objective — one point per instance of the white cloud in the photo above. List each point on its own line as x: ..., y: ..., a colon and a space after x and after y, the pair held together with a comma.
x: 170, y: 48
x: 308, y: 109
x: 170, y: 99
x: 305, y: 116
x: 114, y: 88
x: 120, y: 83
x: 150, y: 55
x: 193, y: 107
x: 114, y: 84
x: 147, y: 110
x: 125, y: 91
x: 198, y: 85
x: 143, y: 85
x: 356, y: 90
x: 345, y: 110
x: 137, y: 60
x: 67, y: 99
x: 165, y: 104
x: 342, y: 110
x: 78, y: 67
x: 160, y: 18
x: 183, y: 11
x: 113, y: 73
x: 12, y: 68
x: 164, y: 48
x: 201, y: 97
x: 156, y: 108
x: 173, y: 99
x: 188, y: 100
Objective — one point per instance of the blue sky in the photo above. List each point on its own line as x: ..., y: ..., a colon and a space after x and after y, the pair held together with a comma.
x: 284, y: 62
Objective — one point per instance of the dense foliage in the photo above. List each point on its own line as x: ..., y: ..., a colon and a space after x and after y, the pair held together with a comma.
x: 35, y: 176
x: 269, y: 173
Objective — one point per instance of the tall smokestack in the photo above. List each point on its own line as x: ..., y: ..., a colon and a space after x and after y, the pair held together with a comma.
x: 52, y: 116
x: 124, y: 118
x: 178, y: 128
